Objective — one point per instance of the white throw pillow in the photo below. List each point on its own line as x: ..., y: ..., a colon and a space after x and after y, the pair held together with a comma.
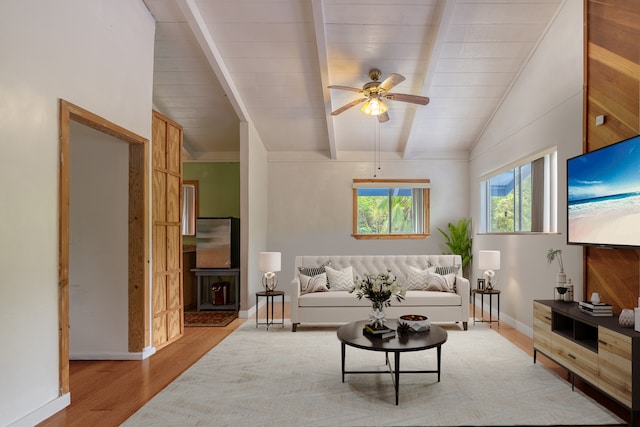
x: 340, y: 280
x: 418, y: 280
x: 441, y: 282
x: 317, y: 283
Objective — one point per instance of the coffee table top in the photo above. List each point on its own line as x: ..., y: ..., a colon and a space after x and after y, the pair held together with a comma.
x: 351, y: 334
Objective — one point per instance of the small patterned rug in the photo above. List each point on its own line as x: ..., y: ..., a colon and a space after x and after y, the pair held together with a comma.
x: 209, y: 318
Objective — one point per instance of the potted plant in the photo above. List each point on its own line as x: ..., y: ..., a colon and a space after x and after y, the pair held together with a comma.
x: 459, y: 240
x: 556, y: 254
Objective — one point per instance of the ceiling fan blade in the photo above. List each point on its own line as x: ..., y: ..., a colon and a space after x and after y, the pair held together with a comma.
x: 352, y: 89
x: 347, y: 106
x: 391, y: 81
x: 404, y: 97
x: 384, y: 117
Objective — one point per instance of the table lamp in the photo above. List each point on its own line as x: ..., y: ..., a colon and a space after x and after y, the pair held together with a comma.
x: 268, y: 263
x: 489, y: 261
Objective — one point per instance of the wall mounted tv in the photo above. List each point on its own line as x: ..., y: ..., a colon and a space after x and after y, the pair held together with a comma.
x: 603, y: 196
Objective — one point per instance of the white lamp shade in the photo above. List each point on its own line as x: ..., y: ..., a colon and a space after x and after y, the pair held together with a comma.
x: 269, y: 262
x: 489, y: 260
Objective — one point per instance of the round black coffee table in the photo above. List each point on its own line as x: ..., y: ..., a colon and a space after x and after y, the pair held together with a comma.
x: 351, y: 335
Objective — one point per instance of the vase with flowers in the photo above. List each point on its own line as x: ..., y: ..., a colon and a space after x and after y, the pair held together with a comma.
x: 379, y: 289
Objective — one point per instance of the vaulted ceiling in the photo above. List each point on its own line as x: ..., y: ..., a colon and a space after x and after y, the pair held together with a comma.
x: 270, y: 62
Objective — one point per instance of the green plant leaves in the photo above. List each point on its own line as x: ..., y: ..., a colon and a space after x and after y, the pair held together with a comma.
x: 459, y: 240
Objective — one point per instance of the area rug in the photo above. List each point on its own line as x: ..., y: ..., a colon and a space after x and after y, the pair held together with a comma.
x: 209, y: 318
x: 279, y: 378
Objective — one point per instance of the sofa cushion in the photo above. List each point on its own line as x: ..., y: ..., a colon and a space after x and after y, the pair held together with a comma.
x: 317, y: 283
x: 417, y: 279
x: 340, y: 280
x: 441, y: 282
x: 345, y: 299
x: 314, y: 271
x: 448, y: 269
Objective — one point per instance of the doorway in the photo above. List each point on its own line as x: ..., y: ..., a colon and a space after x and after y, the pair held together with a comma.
x: 138, y: 252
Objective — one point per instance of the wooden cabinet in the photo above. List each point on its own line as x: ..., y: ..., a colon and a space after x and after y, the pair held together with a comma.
x: 596, y: 349
x: 616, y: 365
x: 542, y: 327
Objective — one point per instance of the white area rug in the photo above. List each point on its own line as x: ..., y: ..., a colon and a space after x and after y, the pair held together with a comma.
x: 257, y: 377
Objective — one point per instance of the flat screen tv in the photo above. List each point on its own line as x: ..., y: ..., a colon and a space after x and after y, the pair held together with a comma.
x: 603, y: 196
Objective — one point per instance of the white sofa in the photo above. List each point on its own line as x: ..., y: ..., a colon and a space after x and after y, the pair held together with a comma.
x: 336, y: 307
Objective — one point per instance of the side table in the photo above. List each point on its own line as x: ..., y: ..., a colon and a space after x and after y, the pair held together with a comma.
x: 270, y: 295
x: 482, y: 293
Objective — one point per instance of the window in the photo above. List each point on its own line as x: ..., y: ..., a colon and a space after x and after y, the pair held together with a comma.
x: 189, y: 207
x: 522, y: 198
x: 390, y: 209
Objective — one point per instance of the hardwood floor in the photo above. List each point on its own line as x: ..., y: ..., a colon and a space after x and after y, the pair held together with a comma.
x: 106, y: 393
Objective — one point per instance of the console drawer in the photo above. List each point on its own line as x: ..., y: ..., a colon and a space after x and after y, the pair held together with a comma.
x: 578, y: 359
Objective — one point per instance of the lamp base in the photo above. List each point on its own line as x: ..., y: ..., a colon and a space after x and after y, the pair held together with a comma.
x: 270, y: 283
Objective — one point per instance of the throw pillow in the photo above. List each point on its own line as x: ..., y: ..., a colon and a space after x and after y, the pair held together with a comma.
x: 441, y: 282
x: 340, y: 280
x: 418, y: 280
x: 317, y: 283
x: 313, y: 271
x: 448, y: 270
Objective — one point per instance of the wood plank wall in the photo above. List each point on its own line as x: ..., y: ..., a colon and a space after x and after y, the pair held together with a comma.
x: 612, y: 81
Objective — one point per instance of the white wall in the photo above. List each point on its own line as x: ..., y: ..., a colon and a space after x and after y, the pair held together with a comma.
x: 98, y: 245
x: 543, y: 109
x: 253, y: 213
x: 310, y: 207
x: 96, y: 54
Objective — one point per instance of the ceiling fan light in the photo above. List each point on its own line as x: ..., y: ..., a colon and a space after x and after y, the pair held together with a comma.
x: 374, y: 107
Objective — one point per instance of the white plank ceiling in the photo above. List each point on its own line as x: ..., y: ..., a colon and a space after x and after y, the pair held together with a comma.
x: 221, y: 62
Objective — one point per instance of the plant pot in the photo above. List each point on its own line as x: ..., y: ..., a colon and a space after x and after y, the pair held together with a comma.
x: 561, y: 278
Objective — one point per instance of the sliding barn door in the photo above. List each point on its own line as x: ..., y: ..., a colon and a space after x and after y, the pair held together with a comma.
x: 167, y: 308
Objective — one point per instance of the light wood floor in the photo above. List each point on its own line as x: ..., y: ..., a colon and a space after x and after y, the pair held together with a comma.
x: 106, y: 393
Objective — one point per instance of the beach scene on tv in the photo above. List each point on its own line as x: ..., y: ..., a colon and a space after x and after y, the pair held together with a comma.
x: 604, y: 195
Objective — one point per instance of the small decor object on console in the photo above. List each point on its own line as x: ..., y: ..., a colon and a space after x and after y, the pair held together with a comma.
x: 552, y: 255
x: 596, y: 309
x: 379, y: 288
x: 560, y: 293
x: 415, y: 322
x: 627, y: 318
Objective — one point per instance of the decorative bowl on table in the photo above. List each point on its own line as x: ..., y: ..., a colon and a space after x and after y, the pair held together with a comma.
x: 416, y: 322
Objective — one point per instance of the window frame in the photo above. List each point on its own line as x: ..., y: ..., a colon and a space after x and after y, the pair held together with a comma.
x: 547, y: 215
x: 189, y: 208
x: 423, y: 184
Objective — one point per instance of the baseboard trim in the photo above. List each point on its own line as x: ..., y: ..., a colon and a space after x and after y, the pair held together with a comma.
x: 138, y: 355
x: 44, y: 412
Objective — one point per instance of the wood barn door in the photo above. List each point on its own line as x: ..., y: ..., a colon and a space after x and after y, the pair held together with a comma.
x: 167, y: 307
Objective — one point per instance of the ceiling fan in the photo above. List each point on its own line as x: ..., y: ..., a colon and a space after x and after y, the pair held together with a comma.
x: 374, y: 93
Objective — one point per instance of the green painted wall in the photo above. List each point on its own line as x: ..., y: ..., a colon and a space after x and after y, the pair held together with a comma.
x: 218, y: 189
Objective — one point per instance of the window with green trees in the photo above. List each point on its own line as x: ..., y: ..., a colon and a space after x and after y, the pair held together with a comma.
x: 522, y: 198
x: 390, y: 209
